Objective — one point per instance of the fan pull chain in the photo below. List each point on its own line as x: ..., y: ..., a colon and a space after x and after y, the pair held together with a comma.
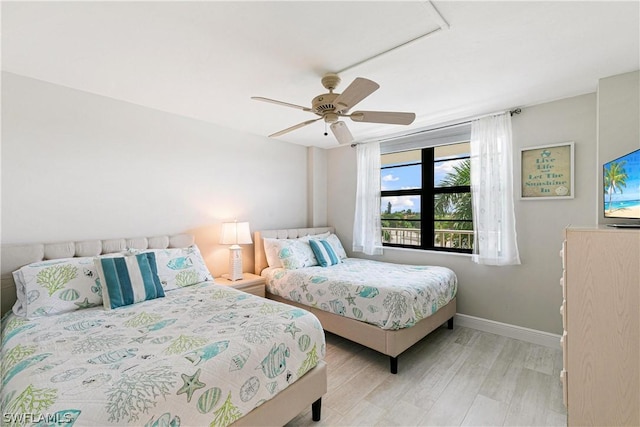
x: 325, y: 129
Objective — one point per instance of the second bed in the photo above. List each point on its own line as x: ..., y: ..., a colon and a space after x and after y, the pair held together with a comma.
x: 386, y: 307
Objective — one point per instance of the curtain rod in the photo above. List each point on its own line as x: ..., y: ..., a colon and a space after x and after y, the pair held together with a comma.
x: 511, y: 113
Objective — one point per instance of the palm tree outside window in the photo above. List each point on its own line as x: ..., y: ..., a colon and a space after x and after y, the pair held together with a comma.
x: 426, y: 198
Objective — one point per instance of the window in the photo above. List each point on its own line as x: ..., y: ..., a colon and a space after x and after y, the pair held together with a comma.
x: 426, y: 198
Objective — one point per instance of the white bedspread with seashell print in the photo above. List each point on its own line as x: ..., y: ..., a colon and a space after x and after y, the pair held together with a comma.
x: 202, y: 355
x: 391, y: 296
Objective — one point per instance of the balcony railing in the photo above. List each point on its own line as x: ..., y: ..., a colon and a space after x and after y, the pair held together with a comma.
x: 443, y: 238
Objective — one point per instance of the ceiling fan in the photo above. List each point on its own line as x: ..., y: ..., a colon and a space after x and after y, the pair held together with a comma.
x: 332, y: 106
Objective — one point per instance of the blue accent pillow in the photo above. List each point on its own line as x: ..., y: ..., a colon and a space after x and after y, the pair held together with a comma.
x: 129, y: 279
x: 324, y: 253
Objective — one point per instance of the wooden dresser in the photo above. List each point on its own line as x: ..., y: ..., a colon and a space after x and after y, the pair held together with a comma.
x: 601, y: 319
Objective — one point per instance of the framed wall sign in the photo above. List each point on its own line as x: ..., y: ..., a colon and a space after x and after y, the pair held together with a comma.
x: 547, y: 172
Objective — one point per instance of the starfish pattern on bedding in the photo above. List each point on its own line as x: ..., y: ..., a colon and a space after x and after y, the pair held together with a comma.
x: 191, y: 384
x: 292, y: 329
x: 351, y: 300
x: 84, y: 304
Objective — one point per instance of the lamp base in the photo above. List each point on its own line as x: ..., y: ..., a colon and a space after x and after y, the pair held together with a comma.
x: 235, y: 264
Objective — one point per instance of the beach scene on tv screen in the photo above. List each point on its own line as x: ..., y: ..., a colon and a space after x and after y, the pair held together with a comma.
x: 622, y: 187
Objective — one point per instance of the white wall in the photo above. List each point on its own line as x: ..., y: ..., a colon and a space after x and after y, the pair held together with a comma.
x: 317, y: 187
x: 80, y: 166
x: 528, y: 295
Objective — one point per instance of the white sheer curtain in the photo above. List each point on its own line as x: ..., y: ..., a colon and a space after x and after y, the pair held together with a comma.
x: 367, y: 234
x: 492, y: 191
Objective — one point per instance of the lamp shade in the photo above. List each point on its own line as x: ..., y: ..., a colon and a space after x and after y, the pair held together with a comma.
x: 235, y: 233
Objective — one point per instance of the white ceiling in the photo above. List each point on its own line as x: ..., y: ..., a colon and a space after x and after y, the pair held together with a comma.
x: 206, y: 59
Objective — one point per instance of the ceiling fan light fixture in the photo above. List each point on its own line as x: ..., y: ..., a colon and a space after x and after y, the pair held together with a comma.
x: 330, y: 117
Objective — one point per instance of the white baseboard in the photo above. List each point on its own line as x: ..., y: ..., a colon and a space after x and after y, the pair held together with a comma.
x: 517, y: 332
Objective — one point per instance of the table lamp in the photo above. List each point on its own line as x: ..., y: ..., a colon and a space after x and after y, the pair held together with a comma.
x: 235, y: 234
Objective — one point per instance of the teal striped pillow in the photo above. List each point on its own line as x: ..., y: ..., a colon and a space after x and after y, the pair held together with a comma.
x: 324, y: 253
x: 129, y: 279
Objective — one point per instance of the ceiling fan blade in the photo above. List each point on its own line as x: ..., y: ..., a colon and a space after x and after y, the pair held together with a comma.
x: 341, y: 132
x: 358, y: 90
x: 292, y: 128
x: 390, y: 117
x: 285, y: 104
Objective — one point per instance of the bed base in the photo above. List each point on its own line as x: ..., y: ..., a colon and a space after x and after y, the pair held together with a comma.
x: 290, y: 402
x: 388, y: 342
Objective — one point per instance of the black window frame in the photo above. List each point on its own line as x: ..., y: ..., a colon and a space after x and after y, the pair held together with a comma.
x: 427, y: 196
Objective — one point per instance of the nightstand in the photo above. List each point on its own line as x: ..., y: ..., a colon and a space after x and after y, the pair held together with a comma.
x: 250, y: 283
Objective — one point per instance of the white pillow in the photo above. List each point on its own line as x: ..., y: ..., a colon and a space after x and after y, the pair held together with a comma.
x: 337, y: 246
x: 56, y: 286
x: 180, y: 267
x: 295, y: 254
x: 272, y: 248
x: 271, y: 252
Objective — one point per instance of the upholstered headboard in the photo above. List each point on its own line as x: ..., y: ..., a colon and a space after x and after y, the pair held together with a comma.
x: 289, y: 233
x: 14, y: 256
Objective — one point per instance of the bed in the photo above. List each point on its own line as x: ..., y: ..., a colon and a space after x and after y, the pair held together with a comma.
x: 342, y: 316
x: 202, y: 354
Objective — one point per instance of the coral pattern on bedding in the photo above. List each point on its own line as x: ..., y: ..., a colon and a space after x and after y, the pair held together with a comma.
x: 56, y: 286
x: 391, y: 296
x: 204, y: 355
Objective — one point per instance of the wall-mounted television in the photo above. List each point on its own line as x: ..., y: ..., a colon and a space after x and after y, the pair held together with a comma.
x: 621, y: 179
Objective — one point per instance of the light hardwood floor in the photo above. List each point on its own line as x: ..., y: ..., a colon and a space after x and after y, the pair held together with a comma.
x: 460, y: 377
